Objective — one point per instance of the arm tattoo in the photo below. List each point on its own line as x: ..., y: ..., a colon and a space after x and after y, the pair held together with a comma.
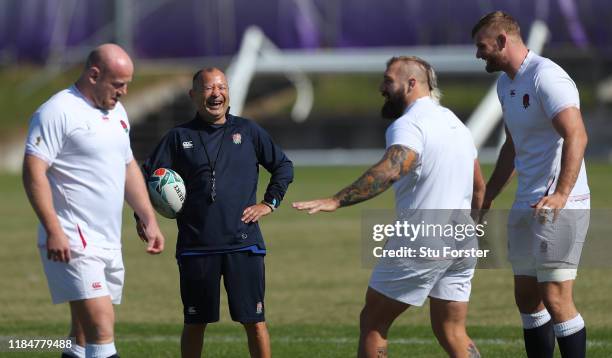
x: 473, y: 351
x: 395, y: 164
x: 381, y: 352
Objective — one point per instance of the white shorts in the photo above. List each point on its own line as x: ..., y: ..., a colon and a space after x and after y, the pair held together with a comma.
x: 544, y: 249
x: 413, y: 283
x: 92, y: 272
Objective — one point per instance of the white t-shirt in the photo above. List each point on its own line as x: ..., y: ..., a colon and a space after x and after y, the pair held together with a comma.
x: 443, y: 176
x: 87, y: 150
x: 540, y: 90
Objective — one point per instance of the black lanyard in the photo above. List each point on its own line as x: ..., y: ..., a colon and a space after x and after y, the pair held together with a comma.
x: 213, y: 165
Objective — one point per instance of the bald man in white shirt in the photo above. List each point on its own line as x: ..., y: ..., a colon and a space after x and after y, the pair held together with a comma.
x: 77, y: 171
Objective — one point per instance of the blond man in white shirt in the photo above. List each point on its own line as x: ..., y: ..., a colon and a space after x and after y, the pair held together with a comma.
x: 545, y: 143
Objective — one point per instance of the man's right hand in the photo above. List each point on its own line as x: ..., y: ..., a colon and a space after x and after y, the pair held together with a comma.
x: 151, y: 234
x: 58, y: 247
x: 314, y: 206
x: 480, y: 215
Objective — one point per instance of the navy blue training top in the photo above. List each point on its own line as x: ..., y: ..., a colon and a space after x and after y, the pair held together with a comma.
x: 204, y: 225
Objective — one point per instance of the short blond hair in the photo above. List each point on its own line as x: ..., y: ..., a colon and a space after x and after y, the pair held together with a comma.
x: 498, y: 20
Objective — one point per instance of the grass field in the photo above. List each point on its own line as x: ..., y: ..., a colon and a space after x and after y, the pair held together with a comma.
x: 314, y: 287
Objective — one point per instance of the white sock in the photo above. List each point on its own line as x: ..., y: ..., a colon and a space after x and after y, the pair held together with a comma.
x: 534, y: 320
x: 100, y: 350
x: 76, y: 350
x: 570, y: 327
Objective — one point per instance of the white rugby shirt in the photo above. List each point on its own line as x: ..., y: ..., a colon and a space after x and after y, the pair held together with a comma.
x: 540, y: 90
x: 87, y: 150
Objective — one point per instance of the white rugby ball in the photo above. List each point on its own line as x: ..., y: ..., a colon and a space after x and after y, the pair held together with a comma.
x: 167, y: 192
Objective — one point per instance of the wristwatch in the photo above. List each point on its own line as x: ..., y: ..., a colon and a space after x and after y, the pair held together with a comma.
x: 270, y: 205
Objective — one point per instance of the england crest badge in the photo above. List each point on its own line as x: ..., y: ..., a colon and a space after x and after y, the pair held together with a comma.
x: 236, y: 138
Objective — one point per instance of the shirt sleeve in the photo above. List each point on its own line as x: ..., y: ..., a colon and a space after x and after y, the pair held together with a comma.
x: 498, y: 90
x: 162, y: 156
x: 272, y: 158
x: 47, y: 134
x: 406, y: 132
x: 555, y: 90
x: 129, y: 156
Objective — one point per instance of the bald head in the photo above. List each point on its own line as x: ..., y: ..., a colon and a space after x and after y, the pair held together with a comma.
x: 109, y: 57
x: 202, y: 76
x: 210, y: 94
x: 106, y: 75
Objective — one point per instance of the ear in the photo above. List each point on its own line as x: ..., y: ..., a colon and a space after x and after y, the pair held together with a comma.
x: 501, y: 41
x: 94, y: 74
x: 411, y: 83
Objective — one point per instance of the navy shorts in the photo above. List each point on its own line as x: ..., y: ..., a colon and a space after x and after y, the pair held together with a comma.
x: 243, y: 275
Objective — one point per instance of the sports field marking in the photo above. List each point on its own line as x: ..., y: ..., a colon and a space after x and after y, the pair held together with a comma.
x: 341, y: 340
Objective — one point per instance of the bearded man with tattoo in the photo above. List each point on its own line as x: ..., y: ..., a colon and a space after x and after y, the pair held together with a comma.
x: 431, y: 161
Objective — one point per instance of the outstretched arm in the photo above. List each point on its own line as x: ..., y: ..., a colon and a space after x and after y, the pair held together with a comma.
x: 397, y: 162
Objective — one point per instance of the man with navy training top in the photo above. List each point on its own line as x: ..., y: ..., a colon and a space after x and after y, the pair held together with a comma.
x: 218, y: 156
x: 426, y: 145
x: 77, y: 171
x: 545, y: 143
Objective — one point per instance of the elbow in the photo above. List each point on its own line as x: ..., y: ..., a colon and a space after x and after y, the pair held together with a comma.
x: 290, y: 171
x: 479, y: 194
x: 394, y: 177
x: 577, y: 142
x: 479, y: 189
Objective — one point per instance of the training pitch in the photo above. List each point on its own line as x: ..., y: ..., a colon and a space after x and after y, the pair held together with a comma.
x: 315, y: 285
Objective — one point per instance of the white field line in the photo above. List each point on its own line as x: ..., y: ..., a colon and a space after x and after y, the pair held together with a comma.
x: 340, y: 340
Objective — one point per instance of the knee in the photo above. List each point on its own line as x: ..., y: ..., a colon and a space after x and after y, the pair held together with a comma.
x: 100, y: 329
x: 554, y: 303
x: 194, y: 328
x: 366, y: 318
x: 528, y: 301
x: 257, y: 328
x: 100, y: 333
x: 370, y: 321
x: 449, y: 332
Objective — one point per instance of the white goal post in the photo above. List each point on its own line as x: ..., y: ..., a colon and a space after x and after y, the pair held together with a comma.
x: 258, y: 55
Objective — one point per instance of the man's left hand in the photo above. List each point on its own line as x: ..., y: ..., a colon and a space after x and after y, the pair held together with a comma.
x: 253, y: 213
x: 551, y: 203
